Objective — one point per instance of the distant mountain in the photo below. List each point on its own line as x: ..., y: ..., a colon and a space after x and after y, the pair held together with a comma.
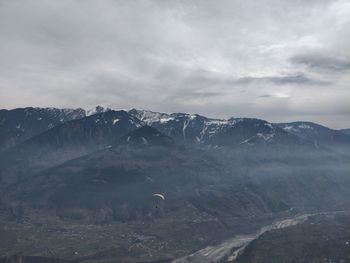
x: 20, y: 124
x: 197, y: 129
x: 104, y: 127
x: 67, y: 141
x: 346, y: 131
x: 182, y: 127
x: 318, y: 134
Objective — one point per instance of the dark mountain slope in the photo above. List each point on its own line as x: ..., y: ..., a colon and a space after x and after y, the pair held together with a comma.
x: 20, y: 124
x: 146, y: 136
x: 66, y: 141
x: 224, y: 182
x: 121, y: 180
x: 244, y: 131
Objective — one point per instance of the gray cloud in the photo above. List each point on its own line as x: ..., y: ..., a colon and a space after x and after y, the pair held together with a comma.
x: 266, y: 59
x: 298, y: 79
x: 324, y: 62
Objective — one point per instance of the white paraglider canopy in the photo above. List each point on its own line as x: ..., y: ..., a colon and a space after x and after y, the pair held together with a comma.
x: 159, y: 195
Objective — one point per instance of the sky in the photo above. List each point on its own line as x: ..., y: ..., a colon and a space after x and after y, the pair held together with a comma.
x: 278, y: 60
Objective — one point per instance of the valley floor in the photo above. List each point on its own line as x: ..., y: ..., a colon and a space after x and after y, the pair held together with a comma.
x: 155, y: 241
x: 160, y: 240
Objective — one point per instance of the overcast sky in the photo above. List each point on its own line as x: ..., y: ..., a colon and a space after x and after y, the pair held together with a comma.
x: 271, y: 59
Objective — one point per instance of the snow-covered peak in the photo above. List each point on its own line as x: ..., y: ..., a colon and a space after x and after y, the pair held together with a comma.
x: 199, y: 129
x: 96, y: 110
x: 150, y: 117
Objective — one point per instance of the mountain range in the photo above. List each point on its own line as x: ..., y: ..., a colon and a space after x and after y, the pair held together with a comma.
x: 19, y: 125
x: 98, y: 171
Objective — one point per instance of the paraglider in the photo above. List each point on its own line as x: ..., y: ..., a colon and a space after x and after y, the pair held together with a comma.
x: 159, y: 195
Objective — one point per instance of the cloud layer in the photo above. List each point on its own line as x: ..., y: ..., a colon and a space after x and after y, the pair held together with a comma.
x: 272, y: 59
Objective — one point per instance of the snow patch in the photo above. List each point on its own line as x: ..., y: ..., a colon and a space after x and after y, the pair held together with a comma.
x: 137, y: 125
x: 184, y: 128
x: 192, y: 116
x: 247, y: 141
x: 96, y: 110
x: 304, y: 126
x: 167, y: 119
x: 150, y: 117
x: 144, y: 141
x: 268, y: 125
x: 266, y: 137
x: 216, y: 122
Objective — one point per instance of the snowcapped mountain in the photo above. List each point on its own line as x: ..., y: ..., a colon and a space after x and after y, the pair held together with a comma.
x: 20, y: 124
x: 197, y: 129
x: 181, y: 126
